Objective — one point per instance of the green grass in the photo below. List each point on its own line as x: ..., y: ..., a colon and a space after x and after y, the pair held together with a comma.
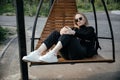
x: 3, y: 33
x: 87, y: 7
x: 7, y: 8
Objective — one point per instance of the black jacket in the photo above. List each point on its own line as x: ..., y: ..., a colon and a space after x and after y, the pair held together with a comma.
x: 88, y: 39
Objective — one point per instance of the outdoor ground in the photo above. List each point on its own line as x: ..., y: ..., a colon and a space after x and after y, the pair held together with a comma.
x: 9, y: 37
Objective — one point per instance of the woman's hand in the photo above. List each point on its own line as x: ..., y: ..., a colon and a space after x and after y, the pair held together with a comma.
x: 67, y: 30
x: 63, y: 30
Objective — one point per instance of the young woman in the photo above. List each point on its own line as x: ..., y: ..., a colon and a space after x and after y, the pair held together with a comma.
x: 73, y: 43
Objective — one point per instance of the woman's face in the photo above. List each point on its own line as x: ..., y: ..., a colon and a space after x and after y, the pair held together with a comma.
x: 80, y: 20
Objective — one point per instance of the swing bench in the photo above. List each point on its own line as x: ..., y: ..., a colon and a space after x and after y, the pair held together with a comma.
x: 61, y: 14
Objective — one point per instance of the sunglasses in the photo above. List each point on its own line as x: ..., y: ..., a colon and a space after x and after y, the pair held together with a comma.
x: 79, y: 19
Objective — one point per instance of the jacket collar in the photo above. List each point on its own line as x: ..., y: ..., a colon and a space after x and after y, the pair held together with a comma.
x: 82, y: 26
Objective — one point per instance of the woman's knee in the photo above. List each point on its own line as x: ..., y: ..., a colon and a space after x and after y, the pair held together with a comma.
x: 54, y: 35
x: 55, y: 32
x: 65, y: 39
x: 52, y: 39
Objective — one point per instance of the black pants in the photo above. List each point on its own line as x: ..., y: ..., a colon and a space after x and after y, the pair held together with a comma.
x: 72, y: 48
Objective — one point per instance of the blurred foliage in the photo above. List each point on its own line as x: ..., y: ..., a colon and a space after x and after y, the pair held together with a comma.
x: 30, y: 6
x: 3, y: 33
x: 7, y: 8
x: 85, y: 5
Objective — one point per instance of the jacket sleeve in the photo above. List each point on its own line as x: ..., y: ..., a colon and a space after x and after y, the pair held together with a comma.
x: 85, y: 33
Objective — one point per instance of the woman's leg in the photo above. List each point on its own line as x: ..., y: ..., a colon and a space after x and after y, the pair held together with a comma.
x: 69, y: 43
x: 73, y: 49
x: 50, y: 40
x: 42, y: 48
x: 51, y: 55
x: 76, y: 50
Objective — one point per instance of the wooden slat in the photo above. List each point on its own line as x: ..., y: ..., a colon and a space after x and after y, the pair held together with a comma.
x: 96, y: 57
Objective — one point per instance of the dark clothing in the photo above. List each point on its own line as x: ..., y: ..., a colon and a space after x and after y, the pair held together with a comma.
x: 87, y: 38
x: 78, y: 46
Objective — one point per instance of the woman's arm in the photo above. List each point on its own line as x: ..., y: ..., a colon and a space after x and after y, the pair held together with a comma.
x: 67, y: 30
x: 85, y: 33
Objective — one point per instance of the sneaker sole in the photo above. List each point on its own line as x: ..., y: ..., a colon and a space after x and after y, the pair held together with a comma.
x: 47, y: 61
x: 29, y: 61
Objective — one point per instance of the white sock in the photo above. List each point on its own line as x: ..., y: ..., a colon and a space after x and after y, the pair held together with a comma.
x: 42, y: 48
x: 57, y: 47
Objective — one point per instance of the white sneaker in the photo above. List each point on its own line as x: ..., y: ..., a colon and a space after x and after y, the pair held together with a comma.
x: 32, y: 57
x: 49, y: 57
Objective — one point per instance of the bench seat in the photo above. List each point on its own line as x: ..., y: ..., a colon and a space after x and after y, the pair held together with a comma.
x: 96, y: 58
